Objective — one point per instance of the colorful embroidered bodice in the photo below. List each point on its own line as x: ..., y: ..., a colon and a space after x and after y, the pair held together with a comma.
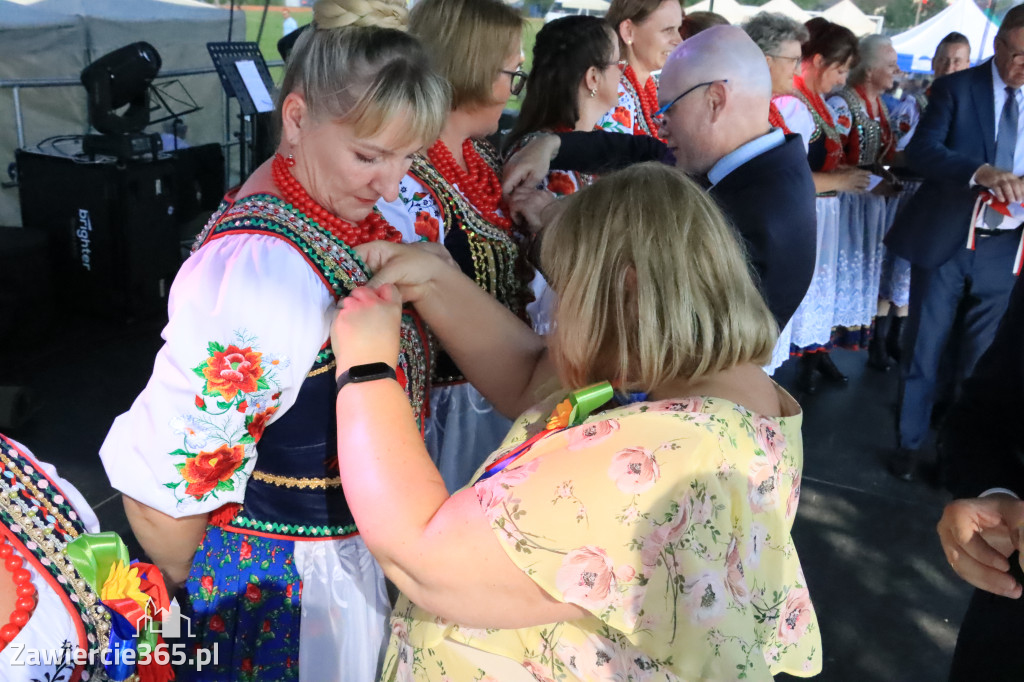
x: 294, y: 490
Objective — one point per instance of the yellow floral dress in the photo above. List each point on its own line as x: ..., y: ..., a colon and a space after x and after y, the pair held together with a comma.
x: 670, y: 523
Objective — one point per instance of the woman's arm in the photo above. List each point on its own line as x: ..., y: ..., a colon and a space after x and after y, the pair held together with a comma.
x: 438, y: 550
x: 169, y: 542
x: 498, y: 353
x: 842, y: 180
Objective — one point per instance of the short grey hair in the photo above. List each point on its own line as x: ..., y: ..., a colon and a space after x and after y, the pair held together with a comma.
x: 868, y: 50
x: 770, y: 29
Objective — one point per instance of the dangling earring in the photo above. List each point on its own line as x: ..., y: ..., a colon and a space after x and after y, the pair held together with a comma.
x: 290, y: 160
x: 593, y: 93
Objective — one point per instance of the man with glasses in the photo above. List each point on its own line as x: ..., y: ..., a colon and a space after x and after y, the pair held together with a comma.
x: 970, y: 136
x: 714, y: 93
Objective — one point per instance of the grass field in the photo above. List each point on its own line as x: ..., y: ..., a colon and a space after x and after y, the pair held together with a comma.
x: 272, y: 33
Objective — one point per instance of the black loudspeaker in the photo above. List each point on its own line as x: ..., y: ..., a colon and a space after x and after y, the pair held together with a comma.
x: 112, y: 227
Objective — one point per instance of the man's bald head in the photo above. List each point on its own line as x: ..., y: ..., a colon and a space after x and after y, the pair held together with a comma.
x: 728, y: 105
x: 719, y: 53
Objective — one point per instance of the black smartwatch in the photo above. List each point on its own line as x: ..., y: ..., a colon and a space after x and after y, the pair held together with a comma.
x: 358, y: 374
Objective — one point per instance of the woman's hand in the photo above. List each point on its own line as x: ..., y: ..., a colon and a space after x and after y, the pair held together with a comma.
x: 852, y: 179
x: 367, y: 327
x: 531, y: 207
x: 530, y: 165
x: 412, y: 268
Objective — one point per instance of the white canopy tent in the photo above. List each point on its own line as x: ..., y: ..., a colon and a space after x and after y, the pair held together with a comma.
x: 787, y: 8
x: 53, y: 40
x: 600, y: 6
x: 730, y: 9
x: 847, y: 14
x: 916, y: 46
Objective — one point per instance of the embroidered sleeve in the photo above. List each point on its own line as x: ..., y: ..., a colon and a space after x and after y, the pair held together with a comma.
x: 904, y: 117
x: 415, y: 213
x: 797, y: 117
x: 620, y: 118
x: 669, y: 524
x: 247, y: 316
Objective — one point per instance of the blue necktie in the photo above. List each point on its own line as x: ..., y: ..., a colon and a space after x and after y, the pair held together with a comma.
x: 1006, y: 143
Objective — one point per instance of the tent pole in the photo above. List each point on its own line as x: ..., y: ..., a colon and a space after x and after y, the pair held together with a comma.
x: 991, y: 20
x: 263, y: 20
x: 16, y: 91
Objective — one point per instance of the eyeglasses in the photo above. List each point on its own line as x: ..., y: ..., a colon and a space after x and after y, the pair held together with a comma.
x: 660, y: 113
x: 780, y: 56
x: 518, y: 80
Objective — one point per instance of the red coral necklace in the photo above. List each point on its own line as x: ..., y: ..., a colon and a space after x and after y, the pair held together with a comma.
x: 371, y: 228
x: 648, y: 96
x: 833, y: 145
x: 25, y: 590
x: 883, y: 120
x: 775, y: 118
x: 479, y: 183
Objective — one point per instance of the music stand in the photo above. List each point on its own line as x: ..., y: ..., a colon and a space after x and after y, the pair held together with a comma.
x: 232, y: 60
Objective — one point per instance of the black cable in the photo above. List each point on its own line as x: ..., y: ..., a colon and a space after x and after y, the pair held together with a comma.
x: 231, y: 20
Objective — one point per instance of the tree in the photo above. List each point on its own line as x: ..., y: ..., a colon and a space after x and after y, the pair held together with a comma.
x: 901, y: 14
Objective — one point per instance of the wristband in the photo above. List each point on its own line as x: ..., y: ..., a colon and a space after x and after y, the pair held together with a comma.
x: 358, y: 374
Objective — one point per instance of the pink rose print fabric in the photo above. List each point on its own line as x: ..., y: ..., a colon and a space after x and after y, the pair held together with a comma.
x: 669, y: 522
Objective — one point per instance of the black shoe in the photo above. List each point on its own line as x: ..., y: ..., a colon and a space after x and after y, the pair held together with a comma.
x: 806, y: 378
x: 893, y: 339
x: 829, y: 370
x: 902, y: 463
x: 878, y: 358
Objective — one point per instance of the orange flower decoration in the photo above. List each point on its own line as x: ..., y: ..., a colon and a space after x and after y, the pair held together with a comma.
x: 232, y: 370
x: 427, y: 226
x: 559, y: 418
x: 622, y: 115
x: 259, y: 423
x: 561, y: 183
x: 204, y: 471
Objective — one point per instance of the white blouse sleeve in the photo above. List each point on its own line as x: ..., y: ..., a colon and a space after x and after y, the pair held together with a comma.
x: 247, y: 317
x: 415, y: 213
x: 797, y: 117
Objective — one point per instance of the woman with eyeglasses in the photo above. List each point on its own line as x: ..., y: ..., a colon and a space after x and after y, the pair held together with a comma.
x: 452, y: 195
x: 648, y: 31
x: 825, y: 63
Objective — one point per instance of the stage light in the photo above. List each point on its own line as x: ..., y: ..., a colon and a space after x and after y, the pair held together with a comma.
x: 121, y: 78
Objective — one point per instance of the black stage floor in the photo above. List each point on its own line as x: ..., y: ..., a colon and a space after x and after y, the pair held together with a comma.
x: 888, y: 603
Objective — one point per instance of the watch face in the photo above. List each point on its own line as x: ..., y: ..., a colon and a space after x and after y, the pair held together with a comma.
x: 374, y: 370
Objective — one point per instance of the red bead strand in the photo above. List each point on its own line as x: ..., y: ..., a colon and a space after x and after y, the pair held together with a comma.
x: 479, y: 183
x: 26, y: 591
x: 648, y: 94
x: 372, y: 228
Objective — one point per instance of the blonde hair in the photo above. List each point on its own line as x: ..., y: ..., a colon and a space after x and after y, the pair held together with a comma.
x: 366, y: 76
x: 652, y: 284
x: 469, y: 42
x: 341, y: 13
x: 636, y: 11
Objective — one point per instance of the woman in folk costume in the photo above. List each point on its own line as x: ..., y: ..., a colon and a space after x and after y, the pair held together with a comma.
x: 452, y: 194
x: 780, y: 38
x: 868, y: 142
x: 573, y: 82
x: 227, y: 460
x: 825, y: 63
x: 67, y: 592
x: 648, y: 31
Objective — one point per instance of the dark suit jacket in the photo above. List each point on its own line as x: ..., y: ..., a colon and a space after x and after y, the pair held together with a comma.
x: 955, y: 136
x: 770, y: 200
x: 981, y: 444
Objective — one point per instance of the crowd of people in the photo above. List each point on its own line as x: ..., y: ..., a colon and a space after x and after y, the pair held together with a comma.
x: 527, y: 386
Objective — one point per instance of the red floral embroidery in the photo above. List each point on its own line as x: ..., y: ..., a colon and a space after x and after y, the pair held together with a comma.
x: 231, y: 371
x: 621, y: 114
x: 245, y: 550
x: 204, y: 471
x: 200, y: 403
x: 246, y: 665
x: 243, y: 406
x: 843, y: 120
x: 216, y: 623
x: 259, y: 423
x: 561, y: 183
x: 207, y: 582
x: 427, y: 226
x: 266, y: 626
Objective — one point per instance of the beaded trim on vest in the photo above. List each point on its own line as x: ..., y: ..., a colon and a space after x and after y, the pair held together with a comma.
x: 639, y: 120
x: 494, y: 250
x: 39, y: 516
x: 869, y: 131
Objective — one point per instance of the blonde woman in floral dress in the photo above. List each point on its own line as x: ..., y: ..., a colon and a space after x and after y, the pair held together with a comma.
x: 631, y: 533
